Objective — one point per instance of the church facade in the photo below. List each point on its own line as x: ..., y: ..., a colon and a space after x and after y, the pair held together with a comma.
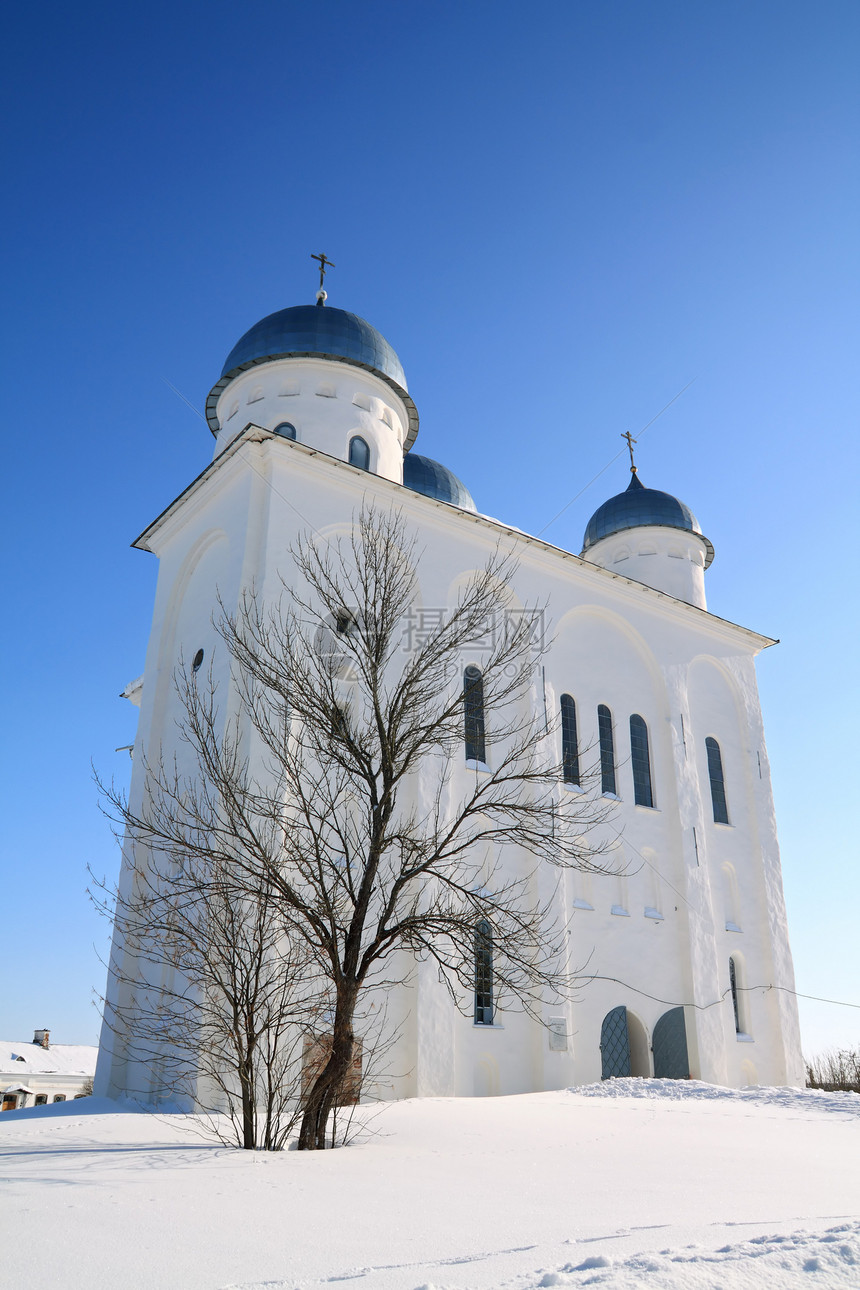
x: 689, y: 970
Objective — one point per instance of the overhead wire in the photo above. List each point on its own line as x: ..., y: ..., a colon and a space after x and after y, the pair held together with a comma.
x: 703, y: 1007
x: 612, y: 460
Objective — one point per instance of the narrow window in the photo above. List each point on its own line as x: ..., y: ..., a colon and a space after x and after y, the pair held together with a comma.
x: 197, y: 661
x: 718, y: 784
x: 607, y: 750
x: 40, y: 1099
x: 359, y: 453
x: 339, y: 727
x: 286, y: 430
x: 473, y: 714
x: 641, y: 762
x: 733, y: 982
x: 483, y: 974
x: 59, y: 1097
x: 345, y: 623
x: 569, y: 744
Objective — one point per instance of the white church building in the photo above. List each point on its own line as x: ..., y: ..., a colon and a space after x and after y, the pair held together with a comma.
x: 687, y: 950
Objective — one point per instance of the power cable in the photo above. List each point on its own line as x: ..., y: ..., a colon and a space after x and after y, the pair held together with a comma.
x: 613, y: 460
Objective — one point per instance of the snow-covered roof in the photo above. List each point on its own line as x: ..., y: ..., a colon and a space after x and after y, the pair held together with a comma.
x: 59, y: 1059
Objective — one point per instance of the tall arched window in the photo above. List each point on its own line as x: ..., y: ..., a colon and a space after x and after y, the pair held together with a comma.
x: 641, y: 762
x: 473, y: 714
x: 286, y: 430
x: 733, y: 982
x: 569, y: 744
x: 718, y: 784
x: 359, y: 453
x: 607, y: 749
x: 483, y: 974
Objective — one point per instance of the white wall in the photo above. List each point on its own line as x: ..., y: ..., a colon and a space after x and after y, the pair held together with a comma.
x: 615, y: 642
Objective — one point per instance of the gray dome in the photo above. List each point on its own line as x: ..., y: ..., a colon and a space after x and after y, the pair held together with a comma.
x: 637, y: 507
x: 315, y: 331
x: 423, y: 475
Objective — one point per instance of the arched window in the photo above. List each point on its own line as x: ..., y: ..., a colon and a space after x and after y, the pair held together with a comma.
x: 473, y: 714
x: 359, y: 453
x: 733, y: 982
x: 569, y: 744
x: 607, y: 750
x: 641, y: 761
x: 286, y: 430
x: 483, y: 974
x: 718, y: 784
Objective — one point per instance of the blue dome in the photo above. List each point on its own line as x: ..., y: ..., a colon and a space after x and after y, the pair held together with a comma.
x: 315, y: 331
x: 638, y: 507
x: 423, y: 475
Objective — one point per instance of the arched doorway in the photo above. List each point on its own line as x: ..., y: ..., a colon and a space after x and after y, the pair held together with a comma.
x: 623, y: 1045
x: 486, y: 1077
x: 670, y: 1046
x: 640, y: 1058
x: 614, y: 1045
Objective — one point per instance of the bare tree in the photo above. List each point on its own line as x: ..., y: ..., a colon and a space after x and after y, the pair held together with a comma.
x: 212, y: 1000
x: 338, y: 791
x: 834, y: 1070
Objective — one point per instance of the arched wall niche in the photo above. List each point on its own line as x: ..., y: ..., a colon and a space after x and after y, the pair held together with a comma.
x: 598, y: 658
x: 486, y: 1076
x: 717, y: 710
x: 731, y: 898
x: 189, y: 622
x: 583, y: 634
x: 507, y: 602
x: 210, y: 549
x: 506, y: 594
x: 339, y: 536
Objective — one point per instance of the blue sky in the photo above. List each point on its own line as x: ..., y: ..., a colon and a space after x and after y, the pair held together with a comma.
x: 559, y: 215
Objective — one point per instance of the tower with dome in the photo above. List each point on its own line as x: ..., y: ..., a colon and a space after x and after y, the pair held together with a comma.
x: 689, y: 966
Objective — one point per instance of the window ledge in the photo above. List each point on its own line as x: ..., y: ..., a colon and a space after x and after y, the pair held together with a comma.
x: 620, y: 911
x: 613, y: 797
x: 571, y: 788
x: 582, y: 904
x: 482, y: 1025
x: 743, y: 1038
x: 482, y: 766
x: 722, y: 824
x: 653, y: 913
x: 733, y: 927
x: 640, y: 806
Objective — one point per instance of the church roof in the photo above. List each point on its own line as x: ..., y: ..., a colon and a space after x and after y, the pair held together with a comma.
x: 315, y: 331
x: 423, y: 475
x: 639, y: 507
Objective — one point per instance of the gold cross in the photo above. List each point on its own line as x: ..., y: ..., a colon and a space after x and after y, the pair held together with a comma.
x: 630, y: 442
x: 324, y: 264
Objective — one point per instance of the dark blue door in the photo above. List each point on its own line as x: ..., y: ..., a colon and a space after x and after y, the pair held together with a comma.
x: 670, y: 1046
x: 615, y: 1044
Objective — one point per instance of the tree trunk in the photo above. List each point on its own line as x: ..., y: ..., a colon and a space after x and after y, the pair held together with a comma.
x: 330, y: 1081
x: 246, y: 1081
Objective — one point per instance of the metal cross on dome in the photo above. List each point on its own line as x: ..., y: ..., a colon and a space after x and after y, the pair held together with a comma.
x: 630, y: 442
x: 324, y: 264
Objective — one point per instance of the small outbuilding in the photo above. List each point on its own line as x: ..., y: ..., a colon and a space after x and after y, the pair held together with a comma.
x: 39, y: 1072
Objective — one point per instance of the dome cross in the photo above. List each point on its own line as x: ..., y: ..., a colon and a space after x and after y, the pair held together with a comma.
x: 630, y: 442
x: 324, y: 264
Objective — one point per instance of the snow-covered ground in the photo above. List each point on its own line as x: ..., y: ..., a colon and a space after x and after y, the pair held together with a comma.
x: 635, y: 1183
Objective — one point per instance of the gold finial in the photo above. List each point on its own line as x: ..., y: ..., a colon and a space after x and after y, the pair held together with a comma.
x: 630, y: 442
x: 324, y: 264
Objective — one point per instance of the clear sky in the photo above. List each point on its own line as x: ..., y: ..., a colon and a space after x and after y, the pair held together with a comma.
x: 559, y: 215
